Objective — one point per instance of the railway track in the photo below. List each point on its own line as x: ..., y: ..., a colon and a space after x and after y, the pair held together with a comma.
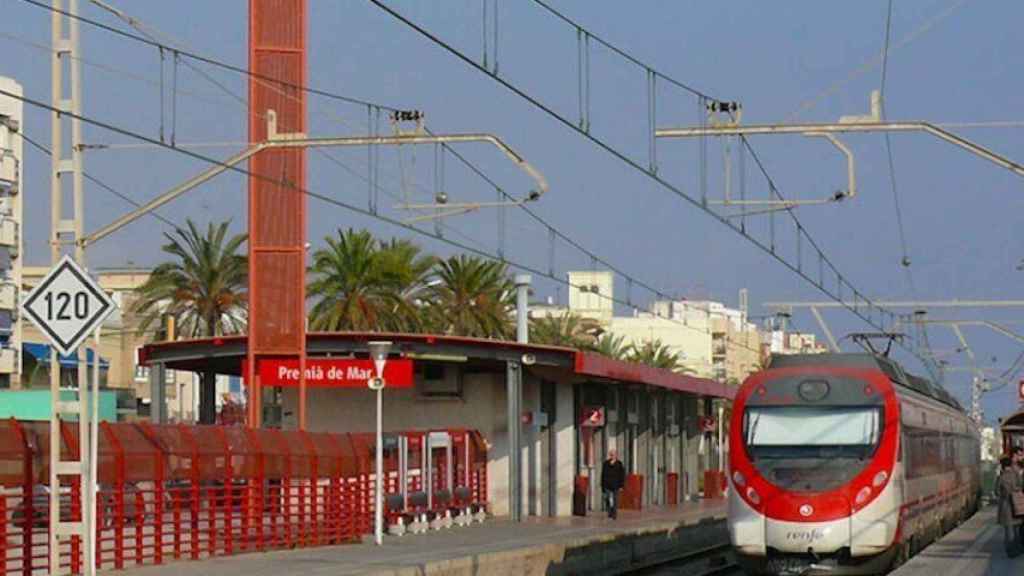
x: 713, y: 561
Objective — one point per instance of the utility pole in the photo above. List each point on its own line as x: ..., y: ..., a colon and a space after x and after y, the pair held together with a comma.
x: 66, y: 95
x: 514, y: 389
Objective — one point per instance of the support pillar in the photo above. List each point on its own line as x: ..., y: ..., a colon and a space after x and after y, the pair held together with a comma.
x: 158, y: 393
x: 514, y: 387
x: 522, y: 282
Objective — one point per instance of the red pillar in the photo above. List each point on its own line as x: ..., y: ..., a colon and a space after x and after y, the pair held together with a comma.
x: 277, y: 211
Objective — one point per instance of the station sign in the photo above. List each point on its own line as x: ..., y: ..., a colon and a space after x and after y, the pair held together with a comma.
x: 334, y: 372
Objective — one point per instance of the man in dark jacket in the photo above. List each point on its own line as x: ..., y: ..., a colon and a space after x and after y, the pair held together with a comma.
x: 613, y: 478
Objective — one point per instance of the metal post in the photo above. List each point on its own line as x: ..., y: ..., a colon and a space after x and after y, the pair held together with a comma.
x: 90, y: 543
x: 522, y: 282
x: 513, y: 378
x: 65, y: 49
x: 378, y: 509
x: 721, y: 439
x: 379, y: 353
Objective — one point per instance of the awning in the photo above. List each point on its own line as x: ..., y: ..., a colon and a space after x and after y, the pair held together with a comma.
x: 41, y: 352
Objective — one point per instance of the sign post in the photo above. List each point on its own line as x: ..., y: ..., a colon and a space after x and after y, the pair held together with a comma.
x: 67, y: 306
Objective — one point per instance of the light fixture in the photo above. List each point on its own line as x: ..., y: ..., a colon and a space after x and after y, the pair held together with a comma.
x: 379, y: 350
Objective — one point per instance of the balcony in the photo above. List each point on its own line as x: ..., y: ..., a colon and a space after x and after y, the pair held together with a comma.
x: 8, y: 361
x: 8, y: 170
x: 9, y: 234
x: 8, y: 297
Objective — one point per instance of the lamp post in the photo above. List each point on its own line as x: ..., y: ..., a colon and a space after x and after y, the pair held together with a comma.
x: 379, y: 352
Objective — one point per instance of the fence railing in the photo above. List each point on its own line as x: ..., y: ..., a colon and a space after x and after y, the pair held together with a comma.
x: 174, y: 492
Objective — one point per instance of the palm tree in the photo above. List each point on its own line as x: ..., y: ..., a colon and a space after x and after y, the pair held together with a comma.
x: 567, y: 329
x: 203, y: 287
x: 363, y: 284
x: 471, y: 297
x: 409, y: 270
x: 655, y: 353
x: 613, y: 346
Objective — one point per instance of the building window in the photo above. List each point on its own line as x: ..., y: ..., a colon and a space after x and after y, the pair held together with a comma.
x: 141, y: 373
x: 440, y: 381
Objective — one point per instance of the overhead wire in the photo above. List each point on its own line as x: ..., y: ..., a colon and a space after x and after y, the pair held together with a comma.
x: 278, y: 84
x: 905, y: 257
x: 324, y: 198
x: 860, y: 302
x: 874, y: 61
x: 101, y: 184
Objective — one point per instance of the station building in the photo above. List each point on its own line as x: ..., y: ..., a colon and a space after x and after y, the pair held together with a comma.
x: 574, y: 407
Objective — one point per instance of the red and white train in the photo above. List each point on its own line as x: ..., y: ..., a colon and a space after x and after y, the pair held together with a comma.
x: 845, y: 464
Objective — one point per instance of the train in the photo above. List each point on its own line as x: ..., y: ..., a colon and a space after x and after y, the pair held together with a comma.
x: 843, y: 463
x: 1011, y: 429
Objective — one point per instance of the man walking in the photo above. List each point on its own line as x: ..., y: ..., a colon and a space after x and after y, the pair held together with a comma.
x: 613, y: 478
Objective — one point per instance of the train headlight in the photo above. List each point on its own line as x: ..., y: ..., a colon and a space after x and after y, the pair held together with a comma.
x: 753, y: 496
x: 813, y: 390
x: 739, y: 479
x: 880, y: 479
x: 863, y: 495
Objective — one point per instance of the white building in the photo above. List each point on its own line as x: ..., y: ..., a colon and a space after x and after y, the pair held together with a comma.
x: 782, y: 342
x: 10, y: 233
x: 712, y: 340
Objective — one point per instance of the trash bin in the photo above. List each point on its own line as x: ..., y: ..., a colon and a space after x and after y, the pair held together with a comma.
x: 712, y: 484
x: 579, y: 495
x: 632, y: 497
x: 672, y: 488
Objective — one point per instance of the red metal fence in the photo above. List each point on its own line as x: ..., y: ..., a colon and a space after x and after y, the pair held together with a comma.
x: 170, y: 492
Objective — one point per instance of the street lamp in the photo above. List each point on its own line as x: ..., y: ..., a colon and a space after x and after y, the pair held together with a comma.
x: 379, y: 353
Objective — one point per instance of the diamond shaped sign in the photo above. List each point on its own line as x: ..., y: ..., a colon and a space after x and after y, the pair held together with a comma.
x: 67, y: 306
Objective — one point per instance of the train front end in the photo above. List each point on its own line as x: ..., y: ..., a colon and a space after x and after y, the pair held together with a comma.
x: 813, y: 459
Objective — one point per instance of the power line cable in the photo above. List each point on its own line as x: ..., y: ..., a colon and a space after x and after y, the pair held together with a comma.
x: 327, y: 199
x: 905, y: 259
x: 555, y: 232
x: 870, y: 63
x: 102, y: 184
x: 860, y: 302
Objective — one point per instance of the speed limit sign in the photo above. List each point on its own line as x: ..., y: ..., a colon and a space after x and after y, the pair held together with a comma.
x: 67, y: 306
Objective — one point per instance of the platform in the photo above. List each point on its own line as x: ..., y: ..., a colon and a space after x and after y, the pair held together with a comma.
x: 973, y: 549
x: 536, y: 546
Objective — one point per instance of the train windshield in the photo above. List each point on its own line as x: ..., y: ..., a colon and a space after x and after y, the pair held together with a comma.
x: 811, y: 448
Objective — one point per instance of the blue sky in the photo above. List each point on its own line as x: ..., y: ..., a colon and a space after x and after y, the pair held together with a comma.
x: 962, y: 215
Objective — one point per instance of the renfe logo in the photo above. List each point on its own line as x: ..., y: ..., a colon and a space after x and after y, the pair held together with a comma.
x: 808, y: 536
x: 334, y: 372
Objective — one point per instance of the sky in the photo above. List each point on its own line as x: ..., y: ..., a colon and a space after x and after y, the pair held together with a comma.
x: 951, y: 61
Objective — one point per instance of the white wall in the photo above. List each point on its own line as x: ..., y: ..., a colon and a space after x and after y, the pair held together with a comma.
x: 483, y: 407
x: 691, y: 341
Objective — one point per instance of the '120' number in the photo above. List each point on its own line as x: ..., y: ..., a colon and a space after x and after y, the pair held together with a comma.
x: 65, y: 305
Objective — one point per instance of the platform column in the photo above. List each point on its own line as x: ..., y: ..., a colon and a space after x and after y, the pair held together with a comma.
x: 514, y: 386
